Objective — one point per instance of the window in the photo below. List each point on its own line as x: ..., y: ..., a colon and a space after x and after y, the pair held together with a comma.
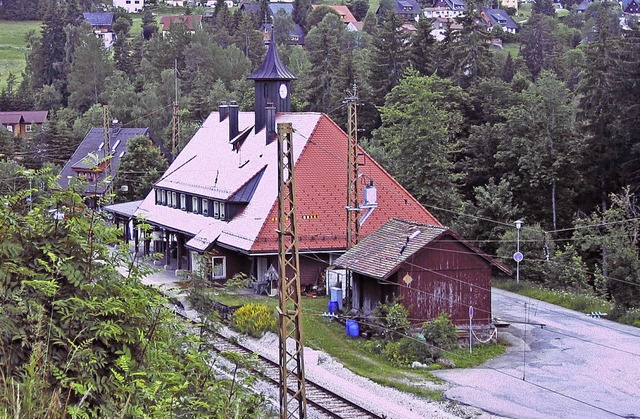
x: 29, y: 128
x: 194, y: 205
x: 128, y: 2
x: 163, y: 197
x: 10, y: 128
x: 158, y: 196
x: 205, y: 207
x: 174, y: 199
x: 222, y: 215
x: 216, y: 209
x: 218, y: 267
x: 183, y: 201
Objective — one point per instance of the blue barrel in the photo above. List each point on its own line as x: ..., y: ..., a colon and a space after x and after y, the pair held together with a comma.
x: 332, y: 307
x: 353, y: 328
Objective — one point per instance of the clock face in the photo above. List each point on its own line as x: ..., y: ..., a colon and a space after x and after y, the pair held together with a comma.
x: 283, y: 91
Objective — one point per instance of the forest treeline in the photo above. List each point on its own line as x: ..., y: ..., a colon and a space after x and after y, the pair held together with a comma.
x: 481, y: 137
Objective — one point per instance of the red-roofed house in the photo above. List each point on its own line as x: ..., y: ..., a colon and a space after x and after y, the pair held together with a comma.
x: 345, y: 16
x: 191, y: 23
x: 219, y: 196
x: 23, y: 123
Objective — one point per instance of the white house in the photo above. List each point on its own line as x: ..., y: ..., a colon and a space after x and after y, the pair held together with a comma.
x: 131, y: 6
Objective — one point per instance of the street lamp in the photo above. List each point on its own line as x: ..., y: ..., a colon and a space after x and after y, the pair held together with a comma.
x: 517, y: 256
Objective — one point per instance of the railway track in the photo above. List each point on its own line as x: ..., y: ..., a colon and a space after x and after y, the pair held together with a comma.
x: 323, y: 402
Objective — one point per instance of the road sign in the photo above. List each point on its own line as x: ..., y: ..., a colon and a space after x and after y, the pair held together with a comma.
x: 517, y: 256
x: 471, y: 312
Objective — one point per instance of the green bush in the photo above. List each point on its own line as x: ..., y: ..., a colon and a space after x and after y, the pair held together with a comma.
x: 440, y: 332
x: 407, y: 350
x: 254, y: 319
x: 394, y: 318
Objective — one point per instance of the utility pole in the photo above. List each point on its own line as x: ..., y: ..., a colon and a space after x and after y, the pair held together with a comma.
x: 289, y: 308
x: 353, y: 226
x: 106, y: 139
x: 353, y: 210
x: 106, y: 152
x: 175, y: 136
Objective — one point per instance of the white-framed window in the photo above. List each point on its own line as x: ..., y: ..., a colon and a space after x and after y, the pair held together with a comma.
x: 183, y: 201
x: 216, y: 209
x: 158, y: 196
x: 205, y: 207
x: 174, y: 199
x: 222, y: 211
x: 10, y: 128
x: 218, y: 267
x: 29, y: 128
x: 194, y: 205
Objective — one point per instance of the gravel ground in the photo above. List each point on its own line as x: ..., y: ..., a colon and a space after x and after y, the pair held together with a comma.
x: 324, y: 370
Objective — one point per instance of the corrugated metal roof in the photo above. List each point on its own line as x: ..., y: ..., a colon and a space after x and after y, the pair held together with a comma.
x: 125, y: 209
x: 380, y: 254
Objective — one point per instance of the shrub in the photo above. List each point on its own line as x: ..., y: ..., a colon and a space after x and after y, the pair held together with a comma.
x: 395, y: 319
x: 254, y: 319
x: 440, y: 332
x: 407, y: 350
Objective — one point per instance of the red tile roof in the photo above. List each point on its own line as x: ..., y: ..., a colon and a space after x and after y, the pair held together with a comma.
x: 191, y: 22
x: 321, y: 195
x: 345, y: 14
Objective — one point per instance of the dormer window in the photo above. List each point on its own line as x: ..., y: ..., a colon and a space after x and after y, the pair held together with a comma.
x: 205, y: 207
x: 194, y: 205
x: 183, y: 202
x: 174, y: 199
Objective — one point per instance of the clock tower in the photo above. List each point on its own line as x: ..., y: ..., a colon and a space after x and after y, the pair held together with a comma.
x: 271, y: 80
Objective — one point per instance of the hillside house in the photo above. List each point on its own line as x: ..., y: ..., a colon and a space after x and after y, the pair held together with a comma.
x: 216, y: 205
x: 89, y: 161
x: 191, y: 23
x: 131, y: 6
x: 445, y: 9
x: 101, y: 24
x: 407, y: 10
x: 345, y: 14
x: 429, y: 267
x: 498, y: 17
x: 23, y: 123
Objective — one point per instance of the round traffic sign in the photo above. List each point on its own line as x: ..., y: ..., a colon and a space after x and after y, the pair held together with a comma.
x: 517, y: 256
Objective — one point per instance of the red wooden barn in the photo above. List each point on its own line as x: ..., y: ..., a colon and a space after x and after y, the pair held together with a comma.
x: 431, y: 268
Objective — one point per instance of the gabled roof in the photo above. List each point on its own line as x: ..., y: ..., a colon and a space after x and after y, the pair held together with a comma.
x: 28, y: 117
x: 211, y: 168
x: 407, y: 7
x: 272, y: 68
x: 499, y: 17
x: 92, y: 144
x: 190, y: 22
x: 274, y: 8
x: 99, y: 18
x: 382, y: 253
x: 345, y: 14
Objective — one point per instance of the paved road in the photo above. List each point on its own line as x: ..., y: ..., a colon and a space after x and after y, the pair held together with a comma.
x: 573, y: 367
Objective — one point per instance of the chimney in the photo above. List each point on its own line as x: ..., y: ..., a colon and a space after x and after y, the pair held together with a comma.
x: 233, y: 120
x: 223, y: 109
x: 270, y: 122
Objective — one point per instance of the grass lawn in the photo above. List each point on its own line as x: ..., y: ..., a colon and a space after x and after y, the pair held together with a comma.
x: 329, y: 336
x: 13, y: 46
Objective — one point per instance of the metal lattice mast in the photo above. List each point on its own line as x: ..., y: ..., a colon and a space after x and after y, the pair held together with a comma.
x: 175, y: 137
x: 353, y: 226
x: 289, y: 309
x: 106, y: 140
